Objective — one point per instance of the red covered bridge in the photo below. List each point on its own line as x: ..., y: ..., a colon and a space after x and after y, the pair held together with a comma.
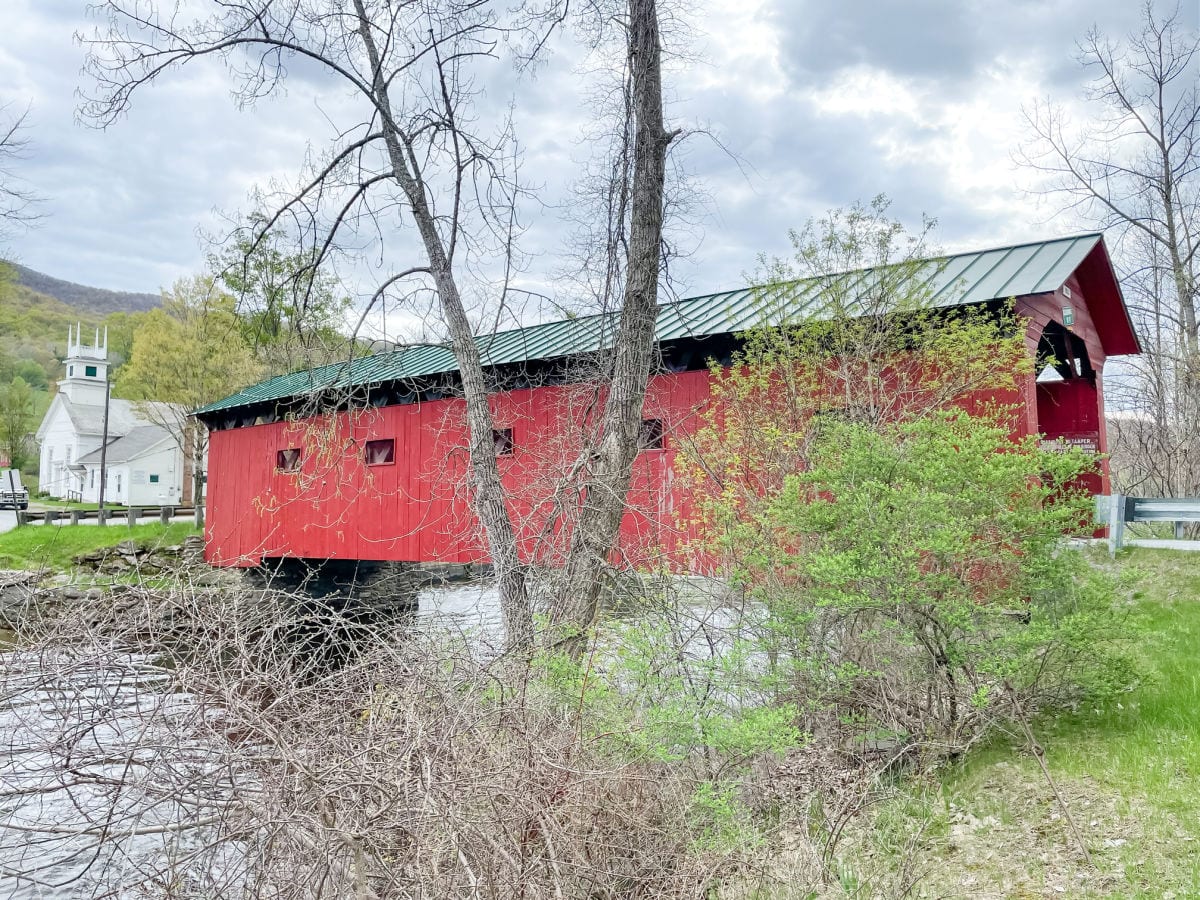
x: 367, y: 460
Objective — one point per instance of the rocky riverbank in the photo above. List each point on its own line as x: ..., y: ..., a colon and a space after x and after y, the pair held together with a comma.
x: 132, y: 557
x: 117, y: 575
x: 112, y: 581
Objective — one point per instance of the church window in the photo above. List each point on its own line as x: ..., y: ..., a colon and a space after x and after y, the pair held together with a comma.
x: 70, y: 371
x: 154, y: 479
x: 89, y: 371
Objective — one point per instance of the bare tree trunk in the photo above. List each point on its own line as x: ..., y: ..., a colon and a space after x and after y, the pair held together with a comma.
x: 488, y: 489
x: 198, y: 443
x: 1185, y: 289
x: 596, y: 531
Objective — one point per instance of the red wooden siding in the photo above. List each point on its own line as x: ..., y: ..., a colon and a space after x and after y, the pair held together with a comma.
x: 416, y: 508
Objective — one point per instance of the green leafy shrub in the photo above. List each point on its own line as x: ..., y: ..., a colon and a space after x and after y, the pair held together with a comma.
x: 682, y: 694
x: 919, y: 586
x: 860, y: 473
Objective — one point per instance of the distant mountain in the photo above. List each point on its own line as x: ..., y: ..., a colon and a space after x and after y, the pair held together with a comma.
x: 91, y: 301
x: 36, y: 311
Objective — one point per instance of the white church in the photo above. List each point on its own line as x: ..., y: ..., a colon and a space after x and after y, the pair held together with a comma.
x: 143, y: 457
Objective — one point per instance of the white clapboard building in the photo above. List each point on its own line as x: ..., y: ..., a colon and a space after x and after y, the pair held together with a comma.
x: 143, y: 457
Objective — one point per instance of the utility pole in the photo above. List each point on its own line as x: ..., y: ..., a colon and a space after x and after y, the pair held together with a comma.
x: 104, y: 450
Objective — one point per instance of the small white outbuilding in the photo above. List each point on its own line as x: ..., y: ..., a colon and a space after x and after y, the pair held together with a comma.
x: 145, y: 468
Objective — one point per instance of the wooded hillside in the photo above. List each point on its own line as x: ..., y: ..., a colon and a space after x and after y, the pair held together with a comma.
x: 93, y: 300
x: 35, y: 312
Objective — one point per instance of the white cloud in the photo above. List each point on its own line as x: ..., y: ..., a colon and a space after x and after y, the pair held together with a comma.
x: 820, y: 102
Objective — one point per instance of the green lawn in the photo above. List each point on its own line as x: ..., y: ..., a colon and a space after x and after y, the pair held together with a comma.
x: 55, y: 547
x: 1129, y: 771
x: 47, y: 503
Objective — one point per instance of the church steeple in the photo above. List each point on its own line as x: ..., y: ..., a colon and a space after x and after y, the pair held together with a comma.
x: 87, y: 368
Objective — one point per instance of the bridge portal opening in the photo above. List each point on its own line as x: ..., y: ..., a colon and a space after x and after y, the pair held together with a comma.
x: 1069, y: 397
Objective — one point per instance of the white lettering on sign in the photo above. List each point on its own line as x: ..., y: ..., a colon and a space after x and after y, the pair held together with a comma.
x: 1088, y: 443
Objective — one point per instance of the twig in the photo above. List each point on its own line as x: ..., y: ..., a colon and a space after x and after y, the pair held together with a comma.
x: 1040, y: 754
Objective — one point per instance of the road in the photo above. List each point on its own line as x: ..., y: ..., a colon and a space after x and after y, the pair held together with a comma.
x: 8, y: 520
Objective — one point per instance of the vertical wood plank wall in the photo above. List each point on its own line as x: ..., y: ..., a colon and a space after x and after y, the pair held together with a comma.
x: 416, y: 509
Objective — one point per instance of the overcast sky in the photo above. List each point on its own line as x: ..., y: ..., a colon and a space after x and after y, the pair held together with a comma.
x: 818, y: 102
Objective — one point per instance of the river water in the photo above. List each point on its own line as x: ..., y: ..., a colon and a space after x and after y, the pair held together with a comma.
x: 65, y: 728
x: 79, y: 812
x: 83, y: 815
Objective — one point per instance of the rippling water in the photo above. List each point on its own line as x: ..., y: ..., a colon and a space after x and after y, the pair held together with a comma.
x: 471, y: 607
x: 79, y: 814
x: 65, y: 727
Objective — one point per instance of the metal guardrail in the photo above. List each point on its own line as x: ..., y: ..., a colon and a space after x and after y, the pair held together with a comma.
x: 130, y: 516
x: 1117, y: 510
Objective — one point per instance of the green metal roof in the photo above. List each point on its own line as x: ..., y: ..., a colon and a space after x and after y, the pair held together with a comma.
x: 955, y: 280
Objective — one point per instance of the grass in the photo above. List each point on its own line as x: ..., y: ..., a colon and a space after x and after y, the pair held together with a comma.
x: 1146, y: 749
x: 55, y: 547
x: 50, y: 503
x: 1129, y: 771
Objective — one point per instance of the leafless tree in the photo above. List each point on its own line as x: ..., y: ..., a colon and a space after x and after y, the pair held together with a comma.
x: 417, y: 156
x: 16, y: 202
x: 640, y: 232
x: 408, y: 65
x: 1153, y: 433
x: 1135, y: 168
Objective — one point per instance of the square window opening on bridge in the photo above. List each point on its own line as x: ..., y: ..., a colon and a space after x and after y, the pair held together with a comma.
x: 502, y: 441
x: 287, y: 460
x: 650, y: 434
x: 381, y: 452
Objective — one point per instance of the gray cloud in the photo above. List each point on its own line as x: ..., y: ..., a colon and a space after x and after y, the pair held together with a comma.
x: 804, y: 163
x: 929, y: 38
x: 947, y: 42
x: 123, y: 206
